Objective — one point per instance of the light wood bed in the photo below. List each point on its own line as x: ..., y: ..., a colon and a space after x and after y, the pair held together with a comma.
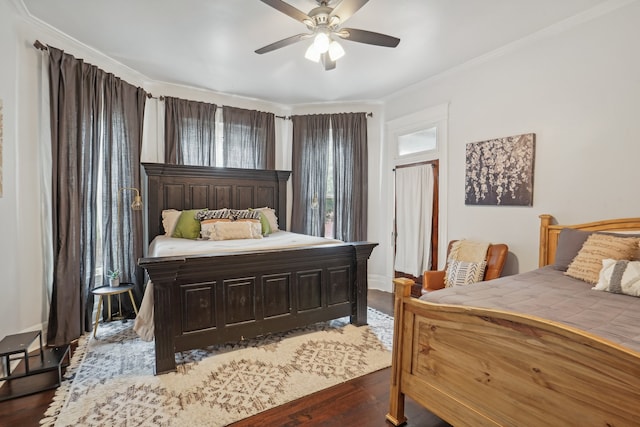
x: 201, y: 300
x: 481, y: 367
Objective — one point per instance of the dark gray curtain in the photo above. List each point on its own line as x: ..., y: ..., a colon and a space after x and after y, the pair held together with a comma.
x: 309, y: 172
x: 350, y: 171
x: 122, y: 144
x: 83, y: 111
x: 74, y: 143
x: 189, y: 132
x: 249, y: 139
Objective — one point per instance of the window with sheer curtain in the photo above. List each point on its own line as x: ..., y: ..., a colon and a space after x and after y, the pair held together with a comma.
x: 248, y: 138
x: 198, y: 133
x: 189, y: 132
x: 329, y: 174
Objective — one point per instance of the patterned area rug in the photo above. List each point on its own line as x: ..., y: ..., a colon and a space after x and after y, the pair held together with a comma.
x: 110, y: 381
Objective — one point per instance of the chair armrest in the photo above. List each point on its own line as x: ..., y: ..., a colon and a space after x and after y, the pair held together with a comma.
x: 432, y: 280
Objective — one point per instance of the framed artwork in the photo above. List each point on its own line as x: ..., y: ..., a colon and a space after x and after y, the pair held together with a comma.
x: 499, y: 172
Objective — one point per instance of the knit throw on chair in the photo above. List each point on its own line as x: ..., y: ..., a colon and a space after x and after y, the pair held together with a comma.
x: 469, y: 251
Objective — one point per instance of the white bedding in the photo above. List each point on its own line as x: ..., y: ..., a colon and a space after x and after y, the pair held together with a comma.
x: 164, y: 246
x: 171, y: 246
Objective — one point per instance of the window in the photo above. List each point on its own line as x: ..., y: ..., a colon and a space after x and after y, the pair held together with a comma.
x: 330, y: 202
x: 418, y: 142
x: 329, y: 165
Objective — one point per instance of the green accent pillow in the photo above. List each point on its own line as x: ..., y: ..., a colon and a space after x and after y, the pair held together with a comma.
x: 266, y: 227
x: 187, y: 227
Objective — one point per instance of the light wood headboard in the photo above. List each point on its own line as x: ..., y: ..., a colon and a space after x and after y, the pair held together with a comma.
x: 549, y: 233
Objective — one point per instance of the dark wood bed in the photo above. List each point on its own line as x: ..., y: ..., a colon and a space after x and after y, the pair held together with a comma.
x: 201, y: 300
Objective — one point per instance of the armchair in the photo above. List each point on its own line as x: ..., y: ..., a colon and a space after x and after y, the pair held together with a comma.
x: 496, y: 257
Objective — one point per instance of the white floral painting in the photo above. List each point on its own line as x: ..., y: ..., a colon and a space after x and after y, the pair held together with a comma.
x: 499, y: 171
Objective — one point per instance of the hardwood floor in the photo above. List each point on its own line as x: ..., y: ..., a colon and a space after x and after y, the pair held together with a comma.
x: 363, y: 401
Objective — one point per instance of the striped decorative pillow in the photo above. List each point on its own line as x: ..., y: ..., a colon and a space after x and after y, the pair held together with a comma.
x: 619, y: 277
x: 205, y: 214
x: 236, y: 214
x: 461, y: 273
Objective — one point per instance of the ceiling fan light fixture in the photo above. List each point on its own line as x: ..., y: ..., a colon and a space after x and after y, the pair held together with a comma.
x: 321, y: 42
x: 312, y: 53
x: 335, y: 51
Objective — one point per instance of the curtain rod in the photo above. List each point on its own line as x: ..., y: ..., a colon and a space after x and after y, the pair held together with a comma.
x: 161, y: 98
x: 40, y: 46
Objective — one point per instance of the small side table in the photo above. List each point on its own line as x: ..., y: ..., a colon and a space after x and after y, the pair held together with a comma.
x: 108, y: 291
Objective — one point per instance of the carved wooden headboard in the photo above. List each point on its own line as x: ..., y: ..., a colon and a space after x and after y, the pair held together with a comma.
x: 191, y: 187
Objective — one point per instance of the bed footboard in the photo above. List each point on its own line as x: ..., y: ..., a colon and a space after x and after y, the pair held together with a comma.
x: 205, y: 300
x: 480, y: 367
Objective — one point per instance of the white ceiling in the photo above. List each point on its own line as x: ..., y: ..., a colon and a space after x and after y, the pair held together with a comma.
x: 210, y: 44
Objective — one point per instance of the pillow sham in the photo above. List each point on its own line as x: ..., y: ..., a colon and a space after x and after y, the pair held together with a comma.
x: 233, y: 230
x: 270, y: 214
x: 587, y: 264
x: 212, y: 214
x: 206, y: 227
x: 460, y: 273
x: 236, y: 214
x: 256, y: 227
x: 628, y: 234
x: 619, y: 277
x: 169, y: 220
x: 570, y: 242
x: 188, y: 226
x: 265, y: 227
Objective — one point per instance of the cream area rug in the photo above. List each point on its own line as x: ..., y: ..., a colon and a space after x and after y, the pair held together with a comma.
x: 110, y: 380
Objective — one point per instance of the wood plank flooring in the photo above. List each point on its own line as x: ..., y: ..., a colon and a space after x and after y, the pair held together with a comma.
x: 363, y: 401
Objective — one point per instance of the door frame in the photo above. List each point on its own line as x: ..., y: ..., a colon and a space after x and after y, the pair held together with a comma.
x: 437, y: 117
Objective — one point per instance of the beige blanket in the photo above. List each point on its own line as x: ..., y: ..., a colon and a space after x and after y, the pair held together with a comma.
x: 469, y: 251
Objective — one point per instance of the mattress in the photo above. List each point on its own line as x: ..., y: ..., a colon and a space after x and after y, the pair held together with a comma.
x: 163, y: 246
x: 549, y: 294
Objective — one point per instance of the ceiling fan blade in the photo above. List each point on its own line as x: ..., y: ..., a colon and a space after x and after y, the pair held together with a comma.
x: 369, y: 37
x: 282, y: 43
x: 346, y: 8
x: 287, y: 9
x: 328, y: 63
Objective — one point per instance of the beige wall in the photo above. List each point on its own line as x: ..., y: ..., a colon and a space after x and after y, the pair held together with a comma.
x: 576, y: 86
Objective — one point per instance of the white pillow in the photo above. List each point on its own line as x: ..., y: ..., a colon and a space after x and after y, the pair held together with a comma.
x: 461, y: 273
x: 270, y: 214
x: 169, y: 220
x: 207, y: 227
x: 234, y: 230
x: 620, y: 277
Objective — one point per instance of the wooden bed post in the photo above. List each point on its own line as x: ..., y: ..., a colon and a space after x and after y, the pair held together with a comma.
x: 363, y: 251
x: 164, y: 277
x: 402, y: 290
x: 543, y: 257
x: 281, y: 209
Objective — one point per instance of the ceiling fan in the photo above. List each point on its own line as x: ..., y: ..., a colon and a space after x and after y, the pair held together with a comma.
x: 325, y: 23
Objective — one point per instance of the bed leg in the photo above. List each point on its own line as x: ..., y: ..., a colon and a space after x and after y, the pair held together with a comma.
x: 163, y: 328
x: 402, y: 289
x: 362, y: 253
